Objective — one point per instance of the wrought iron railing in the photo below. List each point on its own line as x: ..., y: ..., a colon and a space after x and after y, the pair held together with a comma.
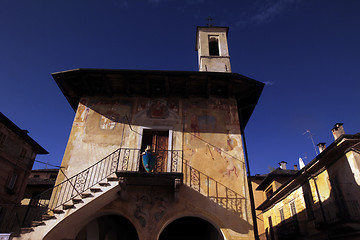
x: 166, y: 161
x: 332, y: 213
x: 84, y: 180
x: 214, y: 190
x: 122, y: 159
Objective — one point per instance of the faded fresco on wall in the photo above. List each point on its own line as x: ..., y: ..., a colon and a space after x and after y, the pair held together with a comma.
x: 157, y: 112
x: 212, y: 140
x: 213, y: 144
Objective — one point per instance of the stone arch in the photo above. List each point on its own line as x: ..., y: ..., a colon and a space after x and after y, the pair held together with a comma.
x: 190, y: 227
x: 108, y: 227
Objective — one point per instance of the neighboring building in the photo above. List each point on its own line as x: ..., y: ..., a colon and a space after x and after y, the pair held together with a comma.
x: 321, y: 200
x: 193, y: 122
x: 259, y: 198
x: 17, y: 155
x: 40, y: 180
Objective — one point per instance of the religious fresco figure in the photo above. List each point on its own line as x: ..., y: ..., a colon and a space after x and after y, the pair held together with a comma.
x: 158, y: 109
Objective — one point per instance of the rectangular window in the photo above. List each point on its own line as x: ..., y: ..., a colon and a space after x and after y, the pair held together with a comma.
x: 292, y: 208
x: 269, y: 191
x: 214, y: 46
x: 12, y: 181
x: 282, y: 217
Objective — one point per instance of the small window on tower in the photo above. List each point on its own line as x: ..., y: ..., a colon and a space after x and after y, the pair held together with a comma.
x: 214, y: 46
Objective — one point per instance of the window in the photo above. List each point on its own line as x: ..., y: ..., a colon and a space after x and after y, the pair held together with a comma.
x: 269, y: 191
x: 282, y: 217
x: 36, y: 176
x: 12, y: 181
x: 214, y: 46
x: 292, y: 208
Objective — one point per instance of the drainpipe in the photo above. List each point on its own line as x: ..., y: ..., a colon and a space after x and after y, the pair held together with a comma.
x: 252, y: 203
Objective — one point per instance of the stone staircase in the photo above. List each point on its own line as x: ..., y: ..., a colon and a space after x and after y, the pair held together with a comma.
x: 39, y: 228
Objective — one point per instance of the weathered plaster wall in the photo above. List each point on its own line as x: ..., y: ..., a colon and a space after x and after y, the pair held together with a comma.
x: 207, y: 130
x: 16, y: 157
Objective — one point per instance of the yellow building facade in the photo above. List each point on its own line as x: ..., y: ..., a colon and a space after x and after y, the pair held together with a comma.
x: 321, y: 200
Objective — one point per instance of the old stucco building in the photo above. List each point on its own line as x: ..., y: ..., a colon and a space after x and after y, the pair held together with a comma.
x: 321, y: 200
x: 17, y: 154
x: 193, y: 122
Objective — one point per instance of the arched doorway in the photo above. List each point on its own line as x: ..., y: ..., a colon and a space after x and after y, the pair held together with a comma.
x: 190, y: 228
x: 110, y: 227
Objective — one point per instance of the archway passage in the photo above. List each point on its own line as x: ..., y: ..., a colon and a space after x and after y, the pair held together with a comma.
x: 190, y: 228
x: 111, y: 227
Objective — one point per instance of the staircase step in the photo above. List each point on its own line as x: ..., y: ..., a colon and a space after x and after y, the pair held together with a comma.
x: 47, y: 217
x: 37, y: 223
x: 112, y: 178
x: 58, y: 211
x: 104, y: 184
x: 86, y: 194
x: 26, y: 230
x: 95, y: 189
x: 68, y: 205
x: 77, y: 199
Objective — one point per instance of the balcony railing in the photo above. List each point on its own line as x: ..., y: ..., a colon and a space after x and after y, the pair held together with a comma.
x: 12, y: 217
x: 336, y: 212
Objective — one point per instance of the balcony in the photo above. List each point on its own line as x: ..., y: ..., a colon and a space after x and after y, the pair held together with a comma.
x: 338, y: 216
x: 167, y: 170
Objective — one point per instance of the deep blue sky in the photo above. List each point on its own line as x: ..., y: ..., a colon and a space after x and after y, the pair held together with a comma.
x: 307, y: 52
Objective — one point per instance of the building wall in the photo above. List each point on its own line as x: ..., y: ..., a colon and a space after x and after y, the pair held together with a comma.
x: 38, y: 182
x: 16, y: 158
x: 259, y: 197
x: 337, y: 188
x: 206, y: 130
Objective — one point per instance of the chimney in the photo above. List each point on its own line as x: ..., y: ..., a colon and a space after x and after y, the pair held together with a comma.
x: 296, y: 167
x: 283, y: 165
x: 321, y: 146
x: 338, y: 130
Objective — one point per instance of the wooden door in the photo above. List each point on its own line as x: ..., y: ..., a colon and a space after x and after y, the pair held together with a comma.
x: 158, y: 140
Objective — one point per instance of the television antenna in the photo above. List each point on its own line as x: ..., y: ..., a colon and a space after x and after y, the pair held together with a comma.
x: 312, y: 139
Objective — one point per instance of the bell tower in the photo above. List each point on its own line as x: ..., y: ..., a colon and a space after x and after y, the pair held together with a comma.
x: 212, y: 48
